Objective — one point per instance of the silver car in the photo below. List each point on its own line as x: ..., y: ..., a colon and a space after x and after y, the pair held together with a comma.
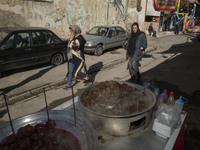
x: 100, y: 38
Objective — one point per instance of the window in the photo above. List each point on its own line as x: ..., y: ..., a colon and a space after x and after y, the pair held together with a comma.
x: 2, y: 35
x: 17, y: 40
x: 112, y: 32
x: 10, y: 43
x: 51, y: 38
x: 39, y: 38
x: 100, y: 31
x: 94, y: 31
x: 119, y: 31
x: 22, y: 40
x: 44, y: 37
x: 103, y: 31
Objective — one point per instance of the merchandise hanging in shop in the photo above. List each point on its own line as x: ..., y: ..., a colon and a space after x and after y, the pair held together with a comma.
x: 165, y: 5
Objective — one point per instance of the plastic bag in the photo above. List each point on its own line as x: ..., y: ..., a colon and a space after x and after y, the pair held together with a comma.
x: 168, y: 115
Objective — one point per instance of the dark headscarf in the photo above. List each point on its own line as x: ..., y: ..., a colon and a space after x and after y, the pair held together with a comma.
x: 133, y: 39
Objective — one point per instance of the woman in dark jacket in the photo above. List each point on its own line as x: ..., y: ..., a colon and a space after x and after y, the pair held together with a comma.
x: 76, y: 59
x: 137, y: 43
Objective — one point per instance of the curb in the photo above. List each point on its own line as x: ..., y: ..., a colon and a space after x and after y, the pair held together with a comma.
x: 11, y: 99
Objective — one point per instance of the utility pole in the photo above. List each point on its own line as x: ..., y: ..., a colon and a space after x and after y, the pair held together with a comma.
x: 107, y: 12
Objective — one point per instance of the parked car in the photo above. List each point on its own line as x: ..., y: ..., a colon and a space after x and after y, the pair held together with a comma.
x: 26, y: 46
x: 100, y: 38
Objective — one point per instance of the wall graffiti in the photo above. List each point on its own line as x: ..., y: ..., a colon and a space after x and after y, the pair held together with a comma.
x: 59, y: 19
x: 74, y: 20
x: 47, y: 24
x: 57, y: 12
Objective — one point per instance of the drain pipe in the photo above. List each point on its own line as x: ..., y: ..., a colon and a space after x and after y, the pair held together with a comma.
x: 107, y: 12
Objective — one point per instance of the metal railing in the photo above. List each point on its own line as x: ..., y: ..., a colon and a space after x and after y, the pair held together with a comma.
x: 121, y: 8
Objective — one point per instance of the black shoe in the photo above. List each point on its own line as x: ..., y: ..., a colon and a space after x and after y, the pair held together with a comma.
x: 133, y: 78
x: 88, y: 83
x: 66, y: 88
x: 138, y: 76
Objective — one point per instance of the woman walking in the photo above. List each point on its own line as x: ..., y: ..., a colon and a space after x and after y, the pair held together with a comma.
x: 137, y: 43
x: 76, y: 59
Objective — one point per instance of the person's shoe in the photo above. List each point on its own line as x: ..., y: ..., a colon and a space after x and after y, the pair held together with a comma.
x: 133, y: 78
x: 138, y: 76
x: 78, y: 80
x: 66, y: 88
x: 86, y: 77
x: 88, y: 83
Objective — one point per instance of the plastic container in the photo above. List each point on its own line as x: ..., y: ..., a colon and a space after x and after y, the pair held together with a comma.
x: 179, y: 104
x: 161, y: 129
x: 160, y: 100
x: 171, y: 99
x: 156, y: 92
x: 165, y: 96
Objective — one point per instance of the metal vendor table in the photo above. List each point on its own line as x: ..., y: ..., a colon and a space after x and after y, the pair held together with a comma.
x: 145, y: 139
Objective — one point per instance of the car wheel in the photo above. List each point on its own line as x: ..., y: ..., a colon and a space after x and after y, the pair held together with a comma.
x: 57, y: 59
x: 99, y: 50
x: 125, y: 44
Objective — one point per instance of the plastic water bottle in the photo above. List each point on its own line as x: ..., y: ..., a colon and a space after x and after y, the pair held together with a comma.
x: 160, y: 100
x: 171, y: 99
x: 179, y: 104
x: 156, y: 92
x: 165, y: 96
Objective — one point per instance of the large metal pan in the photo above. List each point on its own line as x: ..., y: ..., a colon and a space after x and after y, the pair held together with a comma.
x: 118, y: 124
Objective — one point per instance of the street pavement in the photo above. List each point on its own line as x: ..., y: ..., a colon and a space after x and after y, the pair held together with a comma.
x: 171, y: 62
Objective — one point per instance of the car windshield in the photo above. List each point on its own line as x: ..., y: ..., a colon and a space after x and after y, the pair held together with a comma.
x: 99, y: 31
x: 3, y: 35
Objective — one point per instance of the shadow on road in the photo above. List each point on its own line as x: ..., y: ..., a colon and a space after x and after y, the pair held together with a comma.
x: 3, y: 112
x: 93, y: 70
x: 180, y: 72
x: 147, y: 55
x: 29, y: 68
x: 29, y: 79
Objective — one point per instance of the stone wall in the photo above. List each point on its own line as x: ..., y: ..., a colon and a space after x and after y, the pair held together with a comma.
x: 56, y: 16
